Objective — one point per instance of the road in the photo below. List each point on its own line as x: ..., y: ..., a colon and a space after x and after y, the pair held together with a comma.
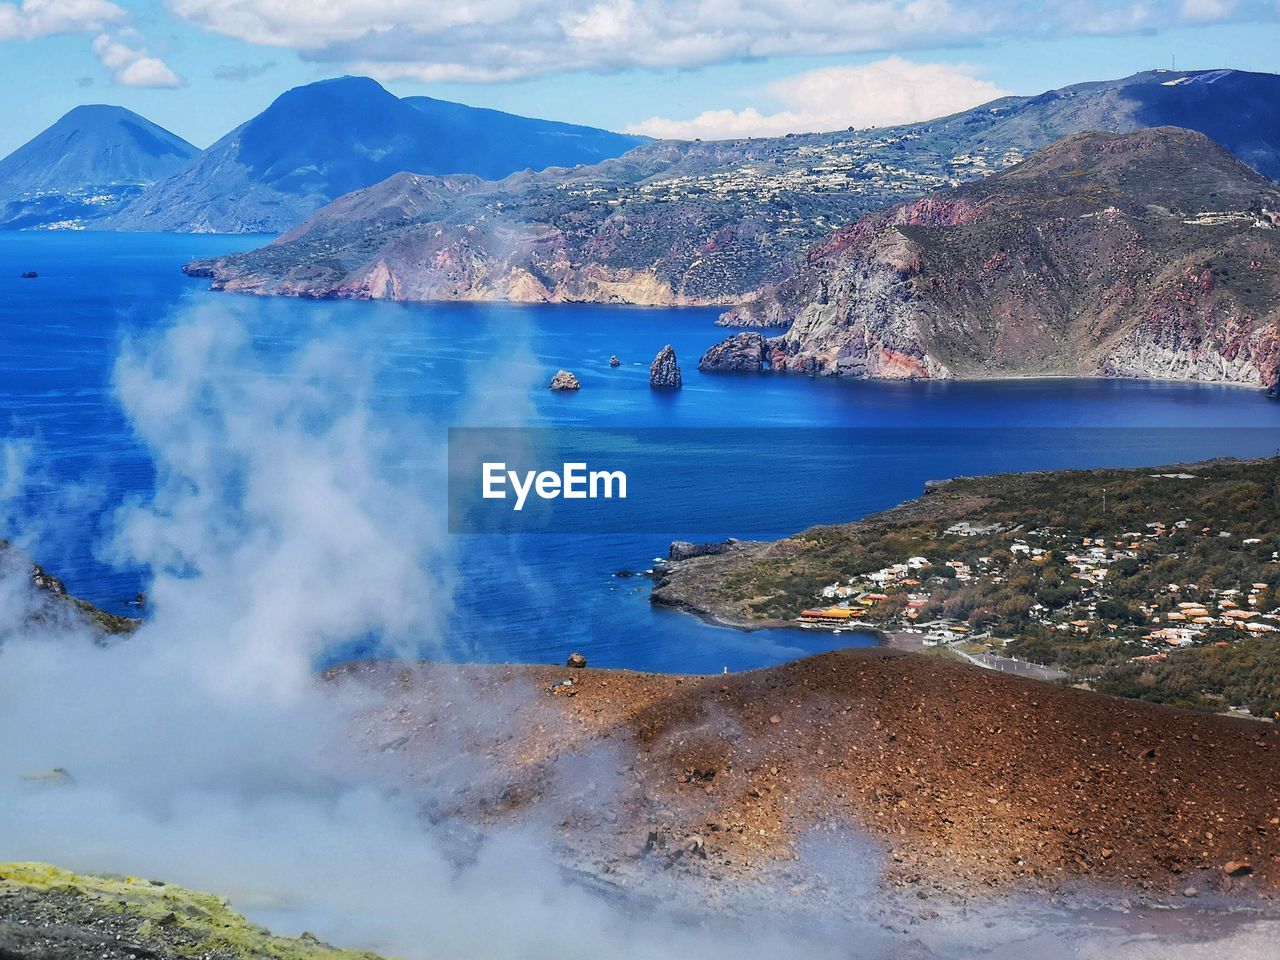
x: 992, y: 661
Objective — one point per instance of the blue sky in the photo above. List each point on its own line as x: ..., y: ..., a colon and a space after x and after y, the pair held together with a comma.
x: 686, y: 68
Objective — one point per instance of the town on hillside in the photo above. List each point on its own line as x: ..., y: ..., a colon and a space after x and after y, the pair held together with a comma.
x: 789, y: 182
x: 1162, y: 585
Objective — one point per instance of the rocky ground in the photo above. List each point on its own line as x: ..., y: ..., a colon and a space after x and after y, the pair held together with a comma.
x: 908, y: 806
x: 931, y: 776
x: 52, y: 914
x: 53, y: 607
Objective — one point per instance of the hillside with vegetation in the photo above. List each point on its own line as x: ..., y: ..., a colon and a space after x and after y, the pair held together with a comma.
x: 1159, y: 584
x: 47, y: 912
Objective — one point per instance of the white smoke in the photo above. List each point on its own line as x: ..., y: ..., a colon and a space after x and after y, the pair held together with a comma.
x: 290, y: 518
x: 294, y: 517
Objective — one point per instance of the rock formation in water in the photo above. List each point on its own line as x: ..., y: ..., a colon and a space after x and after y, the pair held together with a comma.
x: 664, y: 372
x: 741, y: 353
x: 564, y: 380
x: 1153, y: 254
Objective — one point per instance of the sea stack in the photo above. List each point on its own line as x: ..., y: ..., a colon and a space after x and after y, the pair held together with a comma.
x: 564, y: 380
x: 664, y: 372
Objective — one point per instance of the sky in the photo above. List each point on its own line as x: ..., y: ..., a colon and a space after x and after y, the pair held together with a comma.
x: 683, y: 68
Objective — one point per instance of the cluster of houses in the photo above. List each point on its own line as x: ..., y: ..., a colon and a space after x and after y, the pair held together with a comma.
x: 858, y: 595
x: 859, y: 163
x: 1176, y: 617
x: 763, y: 181
x: 1189, y: 619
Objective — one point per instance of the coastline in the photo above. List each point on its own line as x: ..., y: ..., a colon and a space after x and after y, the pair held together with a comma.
x: 889, y: 639
x: 1005, y: 378
x: 1058, y: 586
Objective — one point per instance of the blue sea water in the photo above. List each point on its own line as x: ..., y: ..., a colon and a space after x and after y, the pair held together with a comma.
x: 748, y: 455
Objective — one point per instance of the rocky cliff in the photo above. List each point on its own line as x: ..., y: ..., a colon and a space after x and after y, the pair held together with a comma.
x: 1152, y: 254
x: 741, y: 353
x: 47, y: 602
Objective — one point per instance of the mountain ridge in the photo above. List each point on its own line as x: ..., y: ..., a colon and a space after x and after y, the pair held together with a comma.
x: 673, y: 223
x: 317, y: 142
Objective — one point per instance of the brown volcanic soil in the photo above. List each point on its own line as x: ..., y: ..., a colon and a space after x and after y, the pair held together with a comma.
x: 962, y: 776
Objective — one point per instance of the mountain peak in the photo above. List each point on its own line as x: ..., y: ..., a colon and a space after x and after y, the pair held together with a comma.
x: 338, y: 88
x: 317, y: 142
x: 87, y: 111
x: 1174, y: 167
x: 348, y: 80
x: 96, y: 150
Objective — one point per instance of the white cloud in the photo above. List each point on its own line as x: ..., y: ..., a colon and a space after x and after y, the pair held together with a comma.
x: 878, y: 94
x: 306, y: 25
x: 148, y: 72
x: 603, y: 23
x: 121, y: 51
x: 1207, y: 10
x: 42, y: 18
x: 132, y: 66
x: 496, y: 40
x: 436, y: 72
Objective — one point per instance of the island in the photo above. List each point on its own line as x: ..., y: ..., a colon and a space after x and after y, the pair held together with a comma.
x: 1161, y: 584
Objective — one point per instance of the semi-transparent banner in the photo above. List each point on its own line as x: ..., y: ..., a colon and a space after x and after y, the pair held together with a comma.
x: 744, y: 482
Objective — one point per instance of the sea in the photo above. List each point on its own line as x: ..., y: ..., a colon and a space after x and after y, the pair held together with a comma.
x: 746, y: 456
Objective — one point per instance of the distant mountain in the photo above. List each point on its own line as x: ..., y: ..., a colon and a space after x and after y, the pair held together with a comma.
x: 1237, y: 109
x: 320, y: 141
x: 85, y: 167
x: 492, y: 144
x: 1153, y: 254
x: 708, y: 222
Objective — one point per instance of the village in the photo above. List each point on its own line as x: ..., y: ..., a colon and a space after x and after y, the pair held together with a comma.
x: 913, y: 596
x: 865, y: 166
